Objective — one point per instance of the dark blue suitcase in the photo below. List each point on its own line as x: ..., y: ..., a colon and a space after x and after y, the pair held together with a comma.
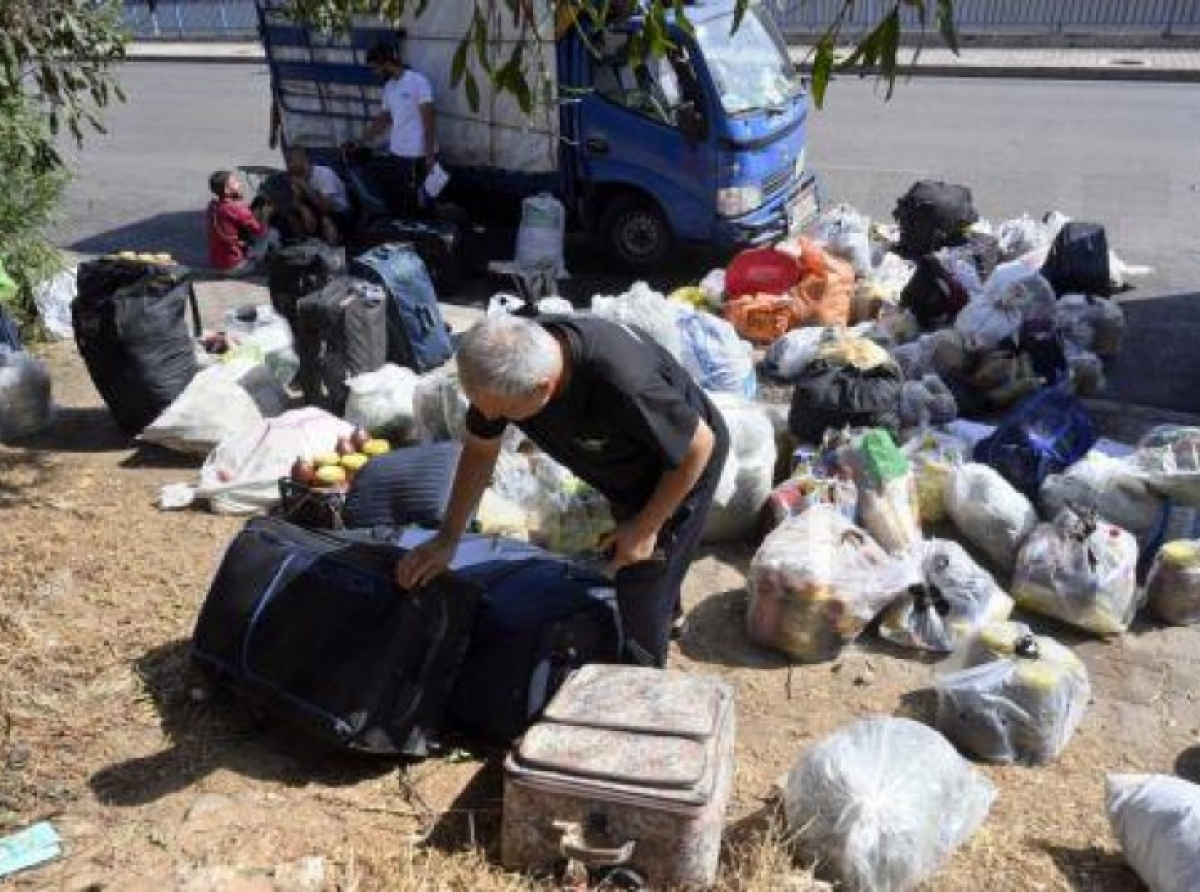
x: 540, y: 617
x: 312, y: 627
x: 418, y: 336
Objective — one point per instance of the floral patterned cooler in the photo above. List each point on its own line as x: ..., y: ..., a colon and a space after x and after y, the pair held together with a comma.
x: 629, y: 767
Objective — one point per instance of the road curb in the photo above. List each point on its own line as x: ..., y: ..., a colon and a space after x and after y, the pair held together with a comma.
x: 1035, y: 72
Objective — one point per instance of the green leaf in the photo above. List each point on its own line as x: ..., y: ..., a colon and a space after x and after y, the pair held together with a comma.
x: 822, y: 69
x: 739, y: 13
x: 458, y: 65
x: 472, y: 90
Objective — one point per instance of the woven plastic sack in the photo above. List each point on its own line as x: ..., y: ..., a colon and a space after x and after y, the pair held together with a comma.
x: 25, y: 404
x: 716, y: 357
x: 825, y: 298
x: 816, y: 582
x: 648, y: 310
x: 752, y: 454
x: 882, y: 804
x: 1008, y: 695
x: 241, y: 476
x: 1156, y: 818
x: 211, y: 408
x: 1173, y: 584
x: 439, y: 406
x: 990, y: 514
x: 933, y: 456
x: 1080, y: 570
x: 955, y: 598
x: 1109, y: 487
x: 382, y: 402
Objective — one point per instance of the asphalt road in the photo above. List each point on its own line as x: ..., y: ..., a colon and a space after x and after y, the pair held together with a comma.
x: 1124, y: 154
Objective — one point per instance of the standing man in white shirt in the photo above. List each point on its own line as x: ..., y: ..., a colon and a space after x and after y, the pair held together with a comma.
x: 408, y: 112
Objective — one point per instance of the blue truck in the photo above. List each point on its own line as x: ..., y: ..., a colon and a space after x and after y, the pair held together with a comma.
x: 703, y: 145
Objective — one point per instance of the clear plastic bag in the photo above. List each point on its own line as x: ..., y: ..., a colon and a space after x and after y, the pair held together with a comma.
x: 1109, y: 487
x: 26, y: 406
x: 816, y: 582
x: 211, y: 408
x: 787, y: 356
x: 752, y: 455
x: 887, y: 494
x: 846, y: 234
x: 382, y: 402
x: 1081, y: 570
x: 716, y: 357
x: 1168, y: 459
x: 1011, y: 295
x: 881, y: 804
x: 932, y: 456
x: 647, y: 309
x: 955, y: 598
x: 989, y: 512
x: 439, y: 406
x: 1173, y: 585
x: 1008, y: 695
x: 1156, y: 818
x: 799, y: 493
x: 1022, y: 235
x: 53, y: 299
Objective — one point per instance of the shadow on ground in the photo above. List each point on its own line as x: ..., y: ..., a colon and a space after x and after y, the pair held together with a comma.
x: 213, y: 733
x: 79, y: 429
x: 1157, y: 366
x: 1091, y: 869
x: 178, y: 233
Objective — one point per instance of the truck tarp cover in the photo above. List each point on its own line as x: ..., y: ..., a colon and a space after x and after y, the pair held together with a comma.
x: 326, y: 94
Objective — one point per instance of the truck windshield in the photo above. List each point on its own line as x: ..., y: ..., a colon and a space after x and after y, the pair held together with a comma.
x: 750, y: 67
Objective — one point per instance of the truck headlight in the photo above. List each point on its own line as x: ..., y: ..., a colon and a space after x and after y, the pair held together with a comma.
x: 800, y: 159
x: 737, y: 200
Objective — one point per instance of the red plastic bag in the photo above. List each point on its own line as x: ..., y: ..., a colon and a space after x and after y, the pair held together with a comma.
x: 761, y: 271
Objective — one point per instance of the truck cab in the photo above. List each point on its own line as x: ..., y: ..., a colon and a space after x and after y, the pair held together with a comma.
x: 704, y: 145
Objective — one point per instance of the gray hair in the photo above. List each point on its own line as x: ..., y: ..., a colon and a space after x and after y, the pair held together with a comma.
x: 506, y: 355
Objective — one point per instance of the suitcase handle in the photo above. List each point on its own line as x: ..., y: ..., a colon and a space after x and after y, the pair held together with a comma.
x: 573, y: 847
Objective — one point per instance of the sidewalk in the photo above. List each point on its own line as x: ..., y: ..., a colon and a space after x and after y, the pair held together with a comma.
x: 1180, y: 65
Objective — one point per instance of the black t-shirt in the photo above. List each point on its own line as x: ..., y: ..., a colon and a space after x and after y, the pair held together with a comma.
x: 627, y: 415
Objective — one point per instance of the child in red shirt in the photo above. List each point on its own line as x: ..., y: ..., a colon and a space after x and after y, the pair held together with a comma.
x: 231, y: 224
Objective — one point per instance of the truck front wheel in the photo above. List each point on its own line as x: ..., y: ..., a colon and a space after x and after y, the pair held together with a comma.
x: 636, y: 234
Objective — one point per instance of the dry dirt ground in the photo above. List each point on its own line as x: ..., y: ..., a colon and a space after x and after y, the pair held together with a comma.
x: 155, y: 787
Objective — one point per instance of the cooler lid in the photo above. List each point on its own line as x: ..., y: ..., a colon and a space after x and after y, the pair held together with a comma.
x: 634, y: 698
x: 630, y: 759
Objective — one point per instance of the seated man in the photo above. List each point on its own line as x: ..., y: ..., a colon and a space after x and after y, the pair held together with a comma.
x: 321, y: 194
x: 616, y: 408
x: 231, y: 225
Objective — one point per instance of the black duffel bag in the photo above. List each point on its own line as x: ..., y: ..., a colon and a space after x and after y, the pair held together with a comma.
x: 131, y: 328
x: 832, y: 396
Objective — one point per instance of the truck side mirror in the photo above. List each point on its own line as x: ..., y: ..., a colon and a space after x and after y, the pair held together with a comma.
x: 691, y: 122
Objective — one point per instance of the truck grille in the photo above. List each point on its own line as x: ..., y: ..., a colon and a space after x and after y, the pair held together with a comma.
x: 776, y: 181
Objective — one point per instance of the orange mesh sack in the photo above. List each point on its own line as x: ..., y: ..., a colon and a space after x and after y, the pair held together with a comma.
x: 762, y: 318
x: 825, y: 298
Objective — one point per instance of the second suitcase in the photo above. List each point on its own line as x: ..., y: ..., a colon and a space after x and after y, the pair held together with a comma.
x: 630, y: 769
x: 340, y: 332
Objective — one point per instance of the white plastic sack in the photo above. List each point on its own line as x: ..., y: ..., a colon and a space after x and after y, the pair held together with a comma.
x: 211, y: 408
x: 846, y: 234
x: 713, y: 286
x: 25, y: 404
x: 1080, y: 570
x: 53, y: 299
x: 1109, y: 487
x: 1011, y: 294
x: 241, y: 476
x: 439, y: 406
x: 1173, y: 584
x: 954, y: 599
x: 883, y: 803
x: 541, y: 235
x: 1156, y: 818
x: 751, y: 463
x: 646, y: 309
x: 716, y: 357
x: 1008, y: 695
x: 382, y: 402
x: 892, y: 275
x: 1021, y: 235
x: 815, y: 583
x: 990, y: 514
